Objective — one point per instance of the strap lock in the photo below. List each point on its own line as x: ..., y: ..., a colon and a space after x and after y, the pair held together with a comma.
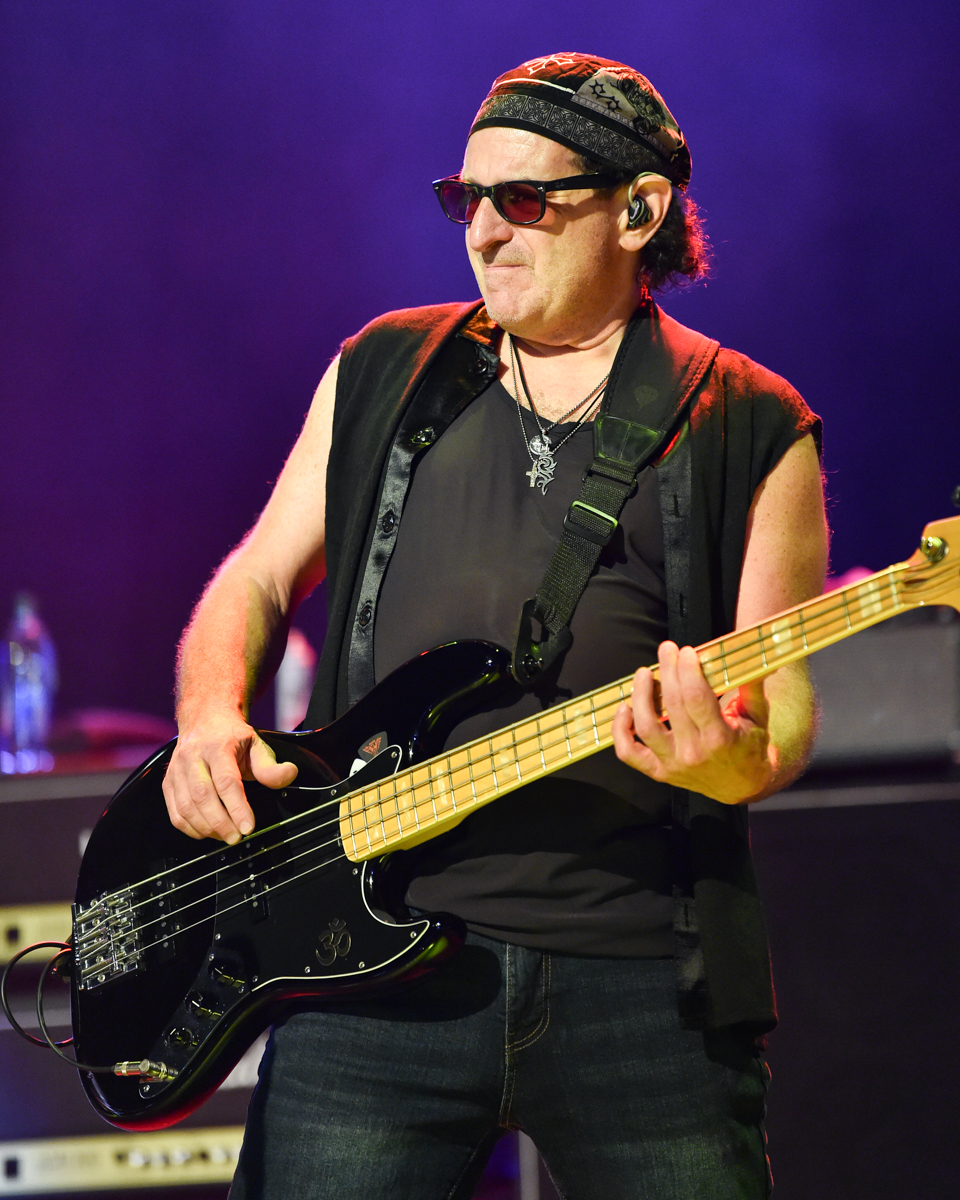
x: 530, y: 657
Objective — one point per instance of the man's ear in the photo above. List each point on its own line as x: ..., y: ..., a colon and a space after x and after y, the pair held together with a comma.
x: 647, y: 202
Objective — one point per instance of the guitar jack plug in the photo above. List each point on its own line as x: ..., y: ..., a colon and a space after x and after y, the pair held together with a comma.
x: 147, y: 1069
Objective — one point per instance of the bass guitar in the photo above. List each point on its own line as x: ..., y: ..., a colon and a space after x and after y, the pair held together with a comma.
x: 184, y: 951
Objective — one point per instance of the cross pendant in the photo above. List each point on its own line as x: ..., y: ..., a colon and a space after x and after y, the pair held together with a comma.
x: 532, y: 474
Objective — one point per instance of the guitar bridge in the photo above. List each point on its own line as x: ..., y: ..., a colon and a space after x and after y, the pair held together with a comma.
x: 106, y: 940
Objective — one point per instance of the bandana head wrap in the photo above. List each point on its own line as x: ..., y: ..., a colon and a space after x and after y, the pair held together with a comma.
x: 593, y: 106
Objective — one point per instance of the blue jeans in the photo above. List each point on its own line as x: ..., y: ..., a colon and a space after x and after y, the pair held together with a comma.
x: 405, y: 1098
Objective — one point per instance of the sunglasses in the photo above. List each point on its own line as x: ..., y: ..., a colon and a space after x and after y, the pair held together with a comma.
x: 519, y: 201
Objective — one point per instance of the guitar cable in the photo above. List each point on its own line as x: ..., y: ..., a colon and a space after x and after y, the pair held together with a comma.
x: 145, y: 1067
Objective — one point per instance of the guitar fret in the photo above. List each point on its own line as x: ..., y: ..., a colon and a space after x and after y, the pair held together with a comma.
x: 446, y: 785
x: 412, y: 807
x: 383, y: 828
x: 396, y: 807
x: 846, y: 608
x: 493, y: 766
x: 516, y: 751
x: 543, y: 757
x: 803, y: 631
x: 763, y: 652
x: 723, y: 662
x: 433, y: 797
x: 894, y: 590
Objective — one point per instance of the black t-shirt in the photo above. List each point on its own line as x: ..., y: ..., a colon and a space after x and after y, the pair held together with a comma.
x: 578, y: 861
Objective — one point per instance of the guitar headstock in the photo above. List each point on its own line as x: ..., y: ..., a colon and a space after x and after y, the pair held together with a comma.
x: 933, y: 570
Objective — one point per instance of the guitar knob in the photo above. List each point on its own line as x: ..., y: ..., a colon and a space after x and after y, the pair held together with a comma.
x: 218, y: 973
x: 181, y: 1037
x: 202, y: 1007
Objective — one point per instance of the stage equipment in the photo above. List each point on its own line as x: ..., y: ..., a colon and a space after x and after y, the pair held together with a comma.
x: 108, y: 1162
x: 891, y: 694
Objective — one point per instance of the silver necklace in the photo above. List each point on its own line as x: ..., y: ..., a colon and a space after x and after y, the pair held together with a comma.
x: 541, y: 450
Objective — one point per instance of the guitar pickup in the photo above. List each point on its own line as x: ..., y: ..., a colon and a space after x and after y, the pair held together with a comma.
x: 241, y: 891
x: 255, y: 899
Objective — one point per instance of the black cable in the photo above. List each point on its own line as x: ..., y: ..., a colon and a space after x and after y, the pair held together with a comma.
x: 145, y: 1067
x: 48, y: 1040
x: 45, y: 1041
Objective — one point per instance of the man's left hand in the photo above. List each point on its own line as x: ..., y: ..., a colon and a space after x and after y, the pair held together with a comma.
x: 723, y: 752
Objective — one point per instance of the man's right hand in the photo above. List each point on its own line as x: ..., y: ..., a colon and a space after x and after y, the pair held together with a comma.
x: 203, y: 786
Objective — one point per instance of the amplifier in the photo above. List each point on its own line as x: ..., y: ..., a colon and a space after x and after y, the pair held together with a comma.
x: 45, y: 821
x: 890, y: 693
x: 23, y: 924
x: 108, y: 1162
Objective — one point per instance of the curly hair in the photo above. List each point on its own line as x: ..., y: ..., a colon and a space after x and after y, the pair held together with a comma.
x: 679, y: 252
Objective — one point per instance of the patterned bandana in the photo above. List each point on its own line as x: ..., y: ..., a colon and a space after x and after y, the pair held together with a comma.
x: 593, y: 106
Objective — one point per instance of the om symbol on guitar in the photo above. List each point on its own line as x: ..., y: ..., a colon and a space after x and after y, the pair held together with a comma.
x: 334, y: 943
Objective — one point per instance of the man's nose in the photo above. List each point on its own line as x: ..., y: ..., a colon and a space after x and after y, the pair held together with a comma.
x: 488, y: 227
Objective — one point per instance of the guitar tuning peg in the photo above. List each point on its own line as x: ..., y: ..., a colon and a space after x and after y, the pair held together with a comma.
x: 955, y: 497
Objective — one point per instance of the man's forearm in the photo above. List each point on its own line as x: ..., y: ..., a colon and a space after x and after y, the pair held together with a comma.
x: 792, y: 727
x: 229, y: 647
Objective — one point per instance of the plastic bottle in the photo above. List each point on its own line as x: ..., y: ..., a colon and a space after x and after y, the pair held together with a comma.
x: 294, y: 681
x: 27, y: 687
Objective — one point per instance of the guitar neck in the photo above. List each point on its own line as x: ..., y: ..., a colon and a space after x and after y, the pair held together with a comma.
x: 749, y: 654
x: 422, y: 802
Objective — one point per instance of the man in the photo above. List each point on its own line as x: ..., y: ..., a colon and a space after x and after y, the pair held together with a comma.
x: 450, y: 444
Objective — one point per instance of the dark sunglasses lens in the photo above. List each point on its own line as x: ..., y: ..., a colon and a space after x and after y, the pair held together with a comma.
x: 458, y: 203
x: 519, y: 202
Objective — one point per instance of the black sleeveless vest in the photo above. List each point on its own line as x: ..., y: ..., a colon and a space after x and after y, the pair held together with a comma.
x: 401, y: 381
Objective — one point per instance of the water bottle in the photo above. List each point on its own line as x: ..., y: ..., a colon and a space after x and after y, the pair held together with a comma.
x: 26, y: 691
x: 294, y: 681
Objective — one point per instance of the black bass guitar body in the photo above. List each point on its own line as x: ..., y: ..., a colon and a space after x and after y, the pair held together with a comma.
x: 184, y: 951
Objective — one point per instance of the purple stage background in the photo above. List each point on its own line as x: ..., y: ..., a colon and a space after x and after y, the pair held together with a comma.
x: 200, y: 200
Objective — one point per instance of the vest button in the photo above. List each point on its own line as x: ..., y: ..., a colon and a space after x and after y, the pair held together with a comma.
x: 424, y: 437
x: 388, y: 521
x: 366, y: 615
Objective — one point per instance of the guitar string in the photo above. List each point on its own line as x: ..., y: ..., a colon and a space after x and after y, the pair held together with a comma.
x: 313, y: 869
x: 173, y: 914
x: 272, y: 887
x: 131, y: 956
x: 380, y: 820
x: 395, y: 796
x: 238, y: 861
x: 239, y: 857
x: 246, y: 900
x: 871, y: 597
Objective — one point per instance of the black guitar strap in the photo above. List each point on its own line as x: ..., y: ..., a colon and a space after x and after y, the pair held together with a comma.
x: 658, y: 368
